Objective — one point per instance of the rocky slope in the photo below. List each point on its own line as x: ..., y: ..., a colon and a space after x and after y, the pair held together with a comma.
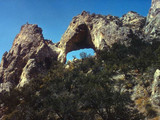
x: 31, y: 53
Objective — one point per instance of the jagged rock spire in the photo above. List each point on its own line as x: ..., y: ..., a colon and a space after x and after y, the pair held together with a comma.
x: 30, y: 55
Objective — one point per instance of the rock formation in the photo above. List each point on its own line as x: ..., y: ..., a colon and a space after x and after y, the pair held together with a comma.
x: 152, y: 28
x: 31, y: 53
x: 155, y: 99
x: 99, y: 32
x: 154, y: 10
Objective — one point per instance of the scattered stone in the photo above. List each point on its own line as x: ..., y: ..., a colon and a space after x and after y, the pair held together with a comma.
x: 119, y: 77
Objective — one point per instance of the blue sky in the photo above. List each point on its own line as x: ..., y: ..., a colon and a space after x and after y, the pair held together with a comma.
x: 54, y: 16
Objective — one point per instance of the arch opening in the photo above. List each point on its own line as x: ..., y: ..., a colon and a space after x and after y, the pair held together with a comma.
x: 80, y: 40
x: 76, y: 53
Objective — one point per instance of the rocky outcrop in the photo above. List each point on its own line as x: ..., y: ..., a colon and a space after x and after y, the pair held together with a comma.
x: 5, y: 86
x: 135, y: 22
x: 99, y: 32
x: 30, y: 55
x: 152, y: 28
x: 154, y: 10
x: 155, y: 96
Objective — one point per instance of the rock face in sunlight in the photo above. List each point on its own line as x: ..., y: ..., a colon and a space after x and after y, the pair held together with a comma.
x: 152, y: 28
x: 99, y: 32
x: 29, y: 55
x: 32, y: 54
x: 154, y: 10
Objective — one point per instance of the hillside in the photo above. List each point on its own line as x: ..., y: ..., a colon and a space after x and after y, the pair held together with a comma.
x: 91, y: 88
x: 121, y: 82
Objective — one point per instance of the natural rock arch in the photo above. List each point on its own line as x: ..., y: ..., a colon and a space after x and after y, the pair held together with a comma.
x: 99, y: 32
x: 80, y: 40
x: 85, y: 31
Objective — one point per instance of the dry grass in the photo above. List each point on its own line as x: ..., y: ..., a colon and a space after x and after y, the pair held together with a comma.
x: 156, y: 118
